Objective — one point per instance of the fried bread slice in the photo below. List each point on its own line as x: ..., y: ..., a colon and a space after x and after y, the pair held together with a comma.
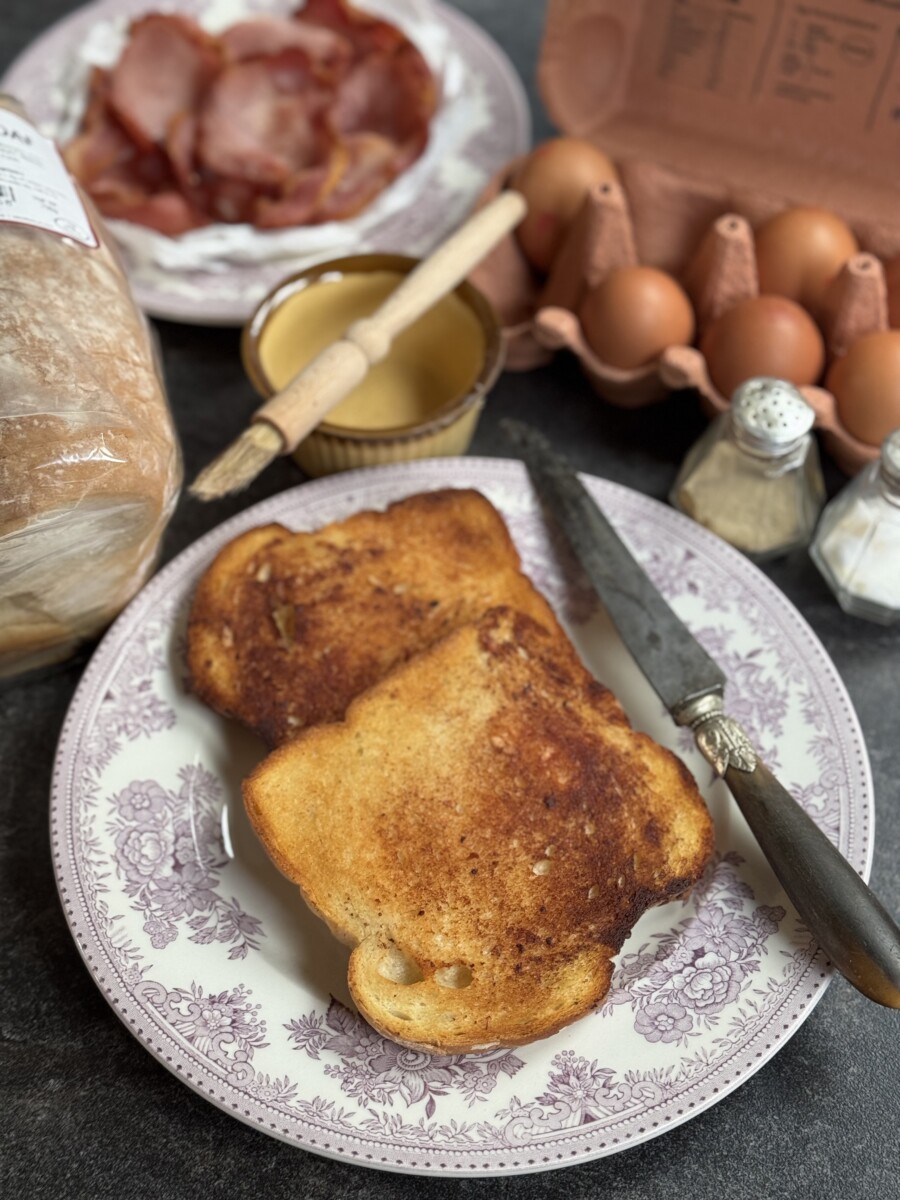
x: 484, y: 828
x: 286, y: 628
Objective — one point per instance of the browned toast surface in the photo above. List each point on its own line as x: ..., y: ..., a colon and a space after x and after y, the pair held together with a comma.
x: 286, y: 628
x: 485, y: 828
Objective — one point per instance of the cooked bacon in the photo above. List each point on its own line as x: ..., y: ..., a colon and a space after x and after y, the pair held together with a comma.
x: 303, y: 196
x: 367, y: 34
x: 120, y: 194
x: 166, y: 212
x: 232, y: 200
x: 146, y: 171
x: 390, y: 95
x: 279, y: 121
x: 368, y: 171
x: 165, y: 67
x: 259, y: 121
x: 181, y: 138
x: 93, y: 151
x: 101, y: 142
x: 264, y: 36
x: 376, y: 98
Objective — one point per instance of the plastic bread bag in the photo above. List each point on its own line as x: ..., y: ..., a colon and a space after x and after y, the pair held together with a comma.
x: 89, y: 461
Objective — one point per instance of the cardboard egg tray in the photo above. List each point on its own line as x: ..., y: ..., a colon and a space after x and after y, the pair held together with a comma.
x: 716, y: 119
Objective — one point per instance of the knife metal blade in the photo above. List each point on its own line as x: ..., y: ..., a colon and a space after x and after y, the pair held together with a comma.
x: 850, y: 924
x: 672, y: 659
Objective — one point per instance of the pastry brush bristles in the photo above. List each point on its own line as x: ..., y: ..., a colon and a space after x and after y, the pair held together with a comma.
x: 240, y: 463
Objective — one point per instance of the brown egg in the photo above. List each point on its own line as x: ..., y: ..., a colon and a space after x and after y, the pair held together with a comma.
x: 865, y: 383
x: 634, y: 314
x: 798, y: 253
x: 763, y: 335
x: 554, y: 180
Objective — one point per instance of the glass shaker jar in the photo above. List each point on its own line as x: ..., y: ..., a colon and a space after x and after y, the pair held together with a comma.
x: 754, y: 477
x: 857, y: 544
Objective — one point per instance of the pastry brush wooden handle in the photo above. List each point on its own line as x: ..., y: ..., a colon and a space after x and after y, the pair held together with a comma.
x: 333, y: 373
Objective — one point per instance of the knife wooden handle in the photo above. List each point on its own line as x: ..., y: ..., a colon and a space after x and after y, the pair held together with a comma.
x: 848, y: 921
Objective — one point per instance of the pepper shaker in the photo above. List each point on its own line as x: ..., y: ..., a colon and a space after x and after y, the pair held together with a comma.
x: 857, y: 544
x: 754, y: 478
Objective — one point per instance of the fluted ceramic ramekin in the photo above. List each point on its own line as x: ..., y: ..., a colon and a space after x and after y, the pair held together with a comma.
x: 450, y: 411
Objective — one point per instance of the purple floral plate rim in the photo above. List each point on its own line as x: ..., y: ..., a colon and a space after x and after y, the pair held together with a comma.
x: 27, y: 77
x: 312, y: 504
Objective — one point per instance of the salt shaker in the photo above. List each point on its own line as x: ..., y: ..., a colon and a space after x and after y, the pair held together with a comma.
x: 754, y: 477
x: 857, y: 544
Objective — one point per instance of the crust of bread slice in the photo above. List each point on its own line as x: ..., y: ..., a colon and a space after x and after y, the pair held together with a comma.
x: 484, y: 828
x: 286, y: 628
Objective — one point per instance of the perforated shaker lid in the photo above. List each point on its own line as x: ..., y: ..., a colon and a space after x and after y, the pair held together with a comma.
x: 770, y: 416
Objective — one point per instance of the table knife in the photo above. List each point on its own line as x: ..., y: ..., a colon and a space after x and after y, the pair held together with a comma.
x: 849, y: 923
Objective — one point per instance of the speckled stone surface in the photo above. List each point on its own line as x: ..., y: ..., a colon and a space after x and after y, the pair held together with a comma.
x: 88, y: 1113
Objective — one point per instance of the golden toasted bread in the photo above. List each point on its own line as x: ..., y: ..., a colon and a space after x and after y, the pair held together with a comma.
x: 484, y: 828
x: 286, y: 628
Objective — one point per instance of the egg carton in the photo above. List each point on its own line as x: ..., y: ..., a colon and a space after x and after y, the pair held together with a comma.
x: 539, y: 315
x: 697, y: 174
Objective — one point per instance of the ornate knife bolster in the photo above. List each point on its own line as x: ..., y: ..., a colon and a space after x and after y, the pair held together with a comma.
x: 720, y: 739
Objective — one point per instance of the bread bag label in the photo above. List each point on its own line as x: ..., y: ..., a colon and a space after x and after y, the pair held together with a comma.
x: 35, y: 187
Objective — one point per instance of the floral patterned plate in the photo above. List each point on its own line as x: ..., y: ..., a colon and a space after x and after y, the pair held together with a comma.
x: 214, y: 963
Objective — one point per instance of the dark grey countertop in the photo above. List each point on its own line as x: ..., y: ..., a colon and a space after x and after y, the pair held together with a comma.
x: 88, y: 1112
